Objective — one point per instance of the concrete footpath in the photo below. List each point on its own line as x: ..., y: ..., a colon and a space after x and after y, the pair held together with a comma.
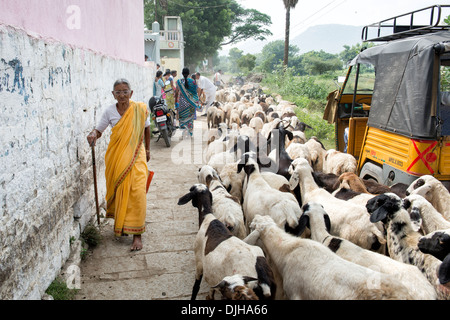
x: 165, y: 268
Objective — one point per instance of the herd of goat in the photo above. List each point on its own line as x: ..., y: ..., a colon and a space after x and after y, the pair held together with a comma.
x: 281, y: 217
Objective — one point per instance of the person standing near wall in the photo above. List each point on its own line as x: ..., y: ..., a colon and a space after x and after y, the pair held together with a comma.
x: 169, y: 89
x: 206, y: 86
x: 126, y: 162
x: 158, y: 84
x: 173, y: 75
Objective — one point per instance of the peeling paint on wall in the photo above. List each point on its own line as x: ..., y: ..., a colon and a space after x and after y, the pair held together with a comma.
x: 13, y: 70
x: 59, y: 76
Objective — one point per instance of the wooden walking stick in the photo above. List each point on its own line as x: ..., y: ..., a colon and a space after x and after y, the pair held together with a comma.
x: 95, y: 183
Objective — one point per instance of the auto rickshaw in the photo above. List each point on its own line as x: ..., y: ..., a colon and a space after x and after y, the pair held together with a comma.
x: 391, y: 112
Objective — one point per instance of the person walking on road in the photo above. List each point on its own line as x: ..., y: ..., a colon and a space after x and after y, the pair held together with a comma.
x: 126, y: 162
x: 169, y: 89
x: 186, y: 101
x: 218, y: 79
x: 206, y: 86
x: 158, y: 85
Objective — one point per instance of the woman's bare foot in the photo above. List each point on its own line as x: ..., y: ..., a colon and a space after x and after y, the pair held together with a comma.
x: 137, y: 243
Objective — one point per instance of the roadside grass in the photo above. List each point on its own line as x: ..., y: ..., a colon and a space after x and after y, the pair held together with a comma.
x: 309, y: 94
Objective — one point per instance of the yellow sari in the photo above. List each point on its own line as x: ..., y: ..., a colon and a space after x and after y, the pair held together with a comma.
x: 126, y: 172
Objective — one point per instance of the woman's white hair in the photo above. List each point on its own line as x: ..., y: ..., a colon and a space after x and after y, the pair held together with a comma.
x: 122, y: 81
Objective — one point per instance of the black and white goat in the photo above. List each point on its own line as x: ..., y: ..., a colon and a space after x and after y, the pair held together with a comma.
x: 219, y: 254
x: 402, y: 241
x: 317, y: 220
x: 312, y: 271
x: 261, y: 198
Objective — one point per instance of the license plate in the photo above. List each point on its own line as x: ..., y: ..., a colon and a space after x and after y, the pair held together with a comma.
x: 161, y: 119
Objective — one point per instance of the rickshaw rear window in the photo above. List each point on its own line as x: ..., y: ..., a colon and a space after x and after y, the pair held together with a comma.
x: 366, y: 80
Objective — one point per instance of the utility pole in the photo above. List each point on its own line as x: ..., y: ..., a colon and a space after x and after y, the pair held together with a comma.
x: 156, y: 11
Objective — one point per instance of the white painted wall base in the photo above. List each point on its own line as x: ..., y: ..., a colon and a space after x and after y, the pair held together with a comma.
x: 51, y: 95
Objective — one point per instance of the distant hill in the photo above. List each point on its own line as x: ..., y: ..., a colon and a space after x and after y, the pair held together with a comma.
x: 328, y: 37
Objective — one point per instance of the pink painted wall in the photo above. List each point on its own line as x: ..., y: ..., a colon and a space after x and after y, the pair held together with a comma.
x: 111, y: 27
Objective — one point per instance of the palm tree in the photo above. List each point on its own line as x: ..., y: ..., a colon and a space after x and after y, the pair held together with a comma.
x: 288, y: 4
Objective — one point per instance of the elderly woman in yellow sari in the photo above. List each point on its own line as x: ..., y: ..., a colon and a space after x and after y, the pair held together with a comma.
x: 126, y: 162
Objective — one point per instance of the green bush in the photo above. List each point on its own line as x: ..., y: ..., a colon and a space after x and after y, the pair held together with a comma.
x: 309, y: 94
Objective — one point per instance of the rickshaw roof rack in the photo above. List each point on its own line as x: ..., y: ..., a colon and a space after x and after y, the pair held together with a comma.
x: 393, y: 29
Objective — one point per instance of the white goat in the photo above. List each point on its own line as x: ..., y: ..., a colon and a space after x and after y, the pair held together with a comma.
x: 422, y: 211
x: 298, y: 150
x: 317, y: 220
x: 217, y: 145
x: 317, y: 153
x: 256, y: 123
x: 232, y: 180
x: 338, y: 162
x: 218, y: 254
x: 349, y: 220
x: 434, y: 191
x: 225, y: 207
x: 219, y: 160
x: 261, y: 198
x: 312, y: 271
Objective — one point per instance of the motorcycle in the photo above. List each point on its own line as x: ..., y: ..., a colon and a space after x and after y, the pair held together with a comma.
x: 164, y: 119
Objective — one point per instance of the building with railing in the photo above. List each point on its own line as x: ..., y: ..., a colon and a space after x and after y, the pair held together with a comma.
x: 166, y: 47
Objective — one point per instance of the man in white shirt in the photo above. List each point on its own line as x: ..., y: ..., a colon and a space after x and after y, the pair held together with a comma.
x: 218, y: 78
x: 206, y: 86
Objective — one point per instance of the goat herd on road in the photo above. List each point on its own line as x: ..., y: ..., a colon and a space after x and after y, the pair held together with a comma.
x: 281, y: 217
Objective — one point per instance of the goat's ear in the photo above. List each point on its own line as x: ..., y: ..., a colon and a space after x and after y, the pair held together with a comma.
x: 379, y: 214
x: 416, y: 218
x: 185, y: 199
x: 221, y: 284
x: 248, y: 279
x: 326, y: 217
x: 444, y: 270
x: 290, y: 134
x: 406, y: 203
x: 249, y: 168
x: 240, y: 166
x: 211, y: 139
x: 294, y: 180
x: 208, y: 180
x: 303, y: 223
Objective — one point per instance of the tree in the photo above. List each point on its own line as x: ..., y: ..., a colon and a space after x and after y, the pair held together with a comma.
x: 207, y: 23
x: 447, y: 20
x: 320, y: 62
x: 233, y: 57
x: 247, y: 62
x: 288, y: 4
x: 272, y: 55
x: 349, y: 53
x: 248, y: 24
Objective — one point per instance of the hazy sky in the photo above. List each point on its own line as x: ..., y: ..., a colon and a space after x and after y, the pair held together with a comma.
x: 350, y: 12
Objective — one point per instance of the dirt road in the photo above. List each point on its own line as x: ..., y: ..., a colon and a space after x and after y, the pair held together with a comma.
x: 165, y: 268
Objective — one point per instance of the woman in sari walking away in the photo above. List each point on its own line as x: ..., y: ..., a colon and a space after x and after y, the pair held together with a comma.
x: 186, y: 101
x: 126, y: 162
